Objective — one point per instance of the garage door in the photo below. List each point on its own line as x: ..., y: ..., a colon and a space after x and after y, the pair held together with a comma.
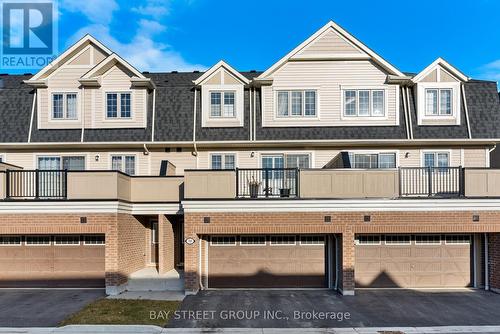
x: 413, y: 261
x: 52, y: 261
x: 277, y: 261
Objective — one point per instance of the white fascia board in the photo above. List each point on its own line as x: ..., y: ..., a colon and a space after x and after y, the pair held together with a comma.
x: 443, y: 63
x: 117, y: 59
x: 215, y: 67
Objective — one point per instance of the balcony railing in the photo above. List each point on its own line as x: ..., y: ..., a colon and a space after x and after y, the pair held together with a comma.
x: 267, y: 182
x: 431, y: 181
x: 36, y: 184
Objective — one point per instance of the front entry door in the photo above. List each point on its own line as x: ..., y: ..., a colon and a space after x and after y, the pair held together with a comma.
x: 154, y: 241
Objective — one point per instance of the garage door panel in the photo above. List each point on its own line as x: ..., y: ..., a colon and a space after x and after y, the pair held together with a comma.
x: 395, y: 266
x: 395, y: 252
x: 368, y: 252
x: 426, y: 251
x: 428, y: 280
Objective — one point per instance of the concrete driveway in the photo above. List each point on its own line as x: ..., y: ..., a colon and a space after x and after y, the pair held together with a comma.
x: 42, y: 308
x: 369, y: 308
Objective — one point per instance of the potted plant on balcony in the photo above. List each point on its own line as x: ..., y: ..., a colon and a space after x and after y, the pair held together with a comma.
x: 284, y: 192
x: 253, y: 186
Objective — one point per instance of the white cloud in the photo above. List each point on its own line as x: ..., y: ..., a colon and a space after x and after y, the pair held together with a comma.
x: 143, y: 50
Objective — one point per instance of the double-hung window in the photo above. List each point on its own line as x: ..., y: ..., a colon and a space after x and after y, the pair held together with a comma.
x: 436, y: 159
x: 438, y: 102
x: 123, y: 163
x: 118, y: 105
x: 223, y: 161
x: 64, y: 106
x: 222, y: 104
x: 372, y: 160
x: 296, y: 103
x: 364, y: 103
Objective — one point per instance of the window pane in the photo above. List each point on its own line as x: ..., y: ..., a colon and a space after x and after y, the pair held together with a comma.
x: 364, y: 103
x: 229, y: 104
x: 431, y: 98
x: 130, y: 165
x: 71, y: 106
x: 216, y: 161
x: 443, y: 160
x: 378, y: 103
x: 387, y: 160
x: 57, y: 106
x: 111, y: 105
x: 296, y: 103
x: 73, y: 163
x: 49, y: 163
x: 445, y: 102
x: 282, y: 103
x: 297, y: 161
x: 116, y: 163
x: 215, y: 104
x: 310, y: 101
x: 125, y: 105
x: 429, y: 160
x: 365, y: 161
x: 229, y: 161
x: 350, y: 103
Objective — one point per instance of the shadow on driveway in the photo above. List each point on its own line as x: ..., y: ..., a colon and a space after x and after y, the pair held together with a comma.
x: 369, y: 308
x: 42, y: 308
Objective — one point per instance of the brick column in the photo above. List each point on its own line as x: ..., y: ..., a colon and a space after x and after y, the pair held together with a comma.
x: 114, y: 279
x: 494, y: 261
x: 191, y: 256
x: 348, y: 258
x: 166, y: 249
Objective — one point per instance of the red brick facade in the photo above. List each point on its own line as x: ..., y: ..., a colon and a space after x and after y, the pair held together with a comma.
x: 494, y: 261
x: 346, y: 224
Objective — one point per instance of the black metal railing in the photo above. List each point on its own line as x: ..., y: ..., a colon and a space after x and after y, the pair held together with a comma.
x: 267, y: 182
x: 431, y: 181
x: 36, y: 184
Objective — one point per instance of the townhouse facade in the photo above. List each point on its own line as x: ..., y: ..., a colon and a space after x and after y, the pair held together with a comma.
x: 331, y: 169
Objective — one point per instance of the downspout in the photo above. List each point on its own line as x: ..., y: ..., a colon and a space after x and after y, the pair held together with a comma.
x: 486, y: 263
x: 195, y: 153
x: 82, y: 104
x: 251, y: 111
x: 466, y: 110
x: 154, y: 115
x: 492, y: 149
x: 336, y: 262
x: 200, y: 267
x: 409, y: 111
x: 254, y: 115
x: 405, y: 110
x: 32, y: 116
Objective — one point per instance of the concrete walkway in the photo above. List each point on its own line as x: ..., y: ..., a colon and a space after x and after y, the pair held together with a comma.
x: 151, y: 295
x: 117, y: 329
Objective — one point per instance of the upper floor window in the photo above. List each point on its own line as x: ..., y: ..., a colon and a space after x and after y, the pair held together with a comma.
x: 438, y: 102
x: 64, y: 106
x: 436, y: 159
x: 296, y: 103
x: 364, y: 103
x: 118, y: 105
x: 222, y: 104
x: 123, y: 163
x: 372, y: 160
x: 223, y: 161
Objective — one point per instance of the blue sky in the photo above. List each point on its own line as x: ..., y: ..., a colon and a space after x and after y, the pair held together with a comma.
x: 165, y: 35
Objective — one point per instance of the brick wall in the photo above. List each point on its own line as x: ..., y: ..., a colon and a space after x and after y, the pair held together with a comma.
x: 166, y: 258
x: 494, y: 261
x: 347, y: 224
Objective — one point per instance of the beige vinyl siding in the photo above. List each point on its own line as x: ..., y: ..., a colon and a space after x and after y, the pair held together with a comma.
x: 118, y: 80
x: 415, y: 156
x: 328, y: 78
x: 475, y: 157
x: 181, y: 161
x: 431, y: 77
x: 83, y: 59
x: 328, y: 44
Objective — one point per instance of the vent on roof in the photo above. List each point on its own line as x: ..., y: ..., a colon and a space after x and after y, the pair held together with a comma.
x: 196, y: 71
x: 145, y: 72
x: 253, y: 71
x: 27, y: 74
x: 174, y: 72
x: 1, y: 83
x: 3, y: 74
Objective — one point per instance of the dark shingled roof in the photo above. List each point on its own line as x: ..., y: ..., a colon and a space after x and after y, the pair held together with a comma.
x: 174, y: 117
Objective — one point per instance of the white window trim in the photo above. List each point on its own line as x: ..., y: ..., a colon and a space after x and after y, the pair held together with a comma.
x: 118, y: 106
x: 423, y: 152
x: 223, y: 245
x: 239, y: 106
x: 455, y: 103
x: 397, y: 243
x: 438, y: 115
x: 222, y: 104
x: 51, y: 105
x: 295, y: 117
x: 397, y: 152
x: 312, y: 235
x: 284, y: 154
x: 37, y: 245
x: 345, y: 117
x: 254, y: 245
x: 89, y: 244
x: 429, y: 244
x: 458, y: 243
x: 13, y: 245
x: 61, y: 156
x: 223, y: 162
x: 3, y: 157
x: 370, y: 244
x: 283, y: 235
x: 123, y: 154
x: 56, y: 244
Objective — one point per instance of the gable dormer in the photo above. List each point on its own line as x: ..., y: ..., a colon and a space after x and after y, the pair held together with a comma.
x: 439, y: 90
x: 90, y: 86
x: 222, y: 96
